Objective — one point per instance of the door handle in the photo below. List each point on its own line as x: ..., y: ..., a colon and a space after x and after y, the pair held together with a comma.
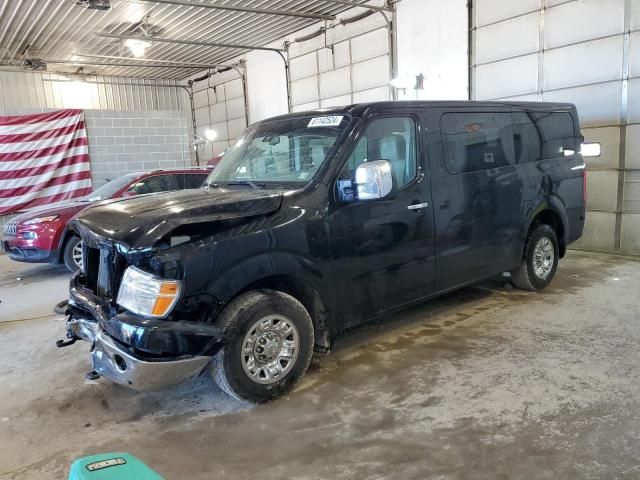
x: 417, y: 206
x: 444, y: 204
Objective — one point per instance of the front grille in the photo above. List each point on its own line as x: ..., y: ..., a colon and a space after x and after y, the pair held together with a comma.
x: 91, y: 265
x: 103, y: 270
x: 10, y: 229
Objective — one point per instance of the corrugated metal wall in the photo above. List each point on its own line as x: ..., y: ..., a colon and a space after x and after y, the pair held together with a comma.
x: 582, y: 51
x: 33, y: 90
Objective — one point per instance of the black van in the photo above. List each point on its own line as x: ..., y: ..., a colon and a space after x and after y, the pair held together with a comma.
x: 317, y: 221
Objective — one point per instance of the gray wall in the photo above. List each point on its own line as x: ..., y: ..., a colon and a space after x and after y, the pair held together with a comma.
x: 128, y: 141
x: 582, y: 51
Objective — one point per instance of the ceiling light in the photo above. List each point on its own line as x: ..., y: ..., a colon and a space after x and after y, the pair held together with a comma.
x: 409, y: 82
x: 593, y: 149
x: 210, y: 134
x: 400, y: 83
x: 137, y: 47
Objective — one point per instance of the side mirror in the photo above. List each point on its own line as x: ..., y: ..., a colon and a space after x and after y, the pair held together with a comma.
x: 374, y: 180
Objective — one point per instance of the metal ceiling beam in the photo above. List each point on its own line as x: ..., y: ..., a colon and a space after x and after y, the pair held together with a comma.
x: 187, y: 42
x: 233, y: 8
x: 351, y: 3
x: 155, y: 60
x: 106, y: 64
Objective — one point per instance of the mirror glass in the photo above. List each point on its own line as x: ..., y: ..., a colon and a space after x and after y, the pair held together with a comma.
x: 374, y: 180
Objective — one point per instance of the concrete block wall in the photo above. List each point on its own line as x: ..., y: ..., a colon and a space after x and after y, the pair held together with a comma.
x: 127, y: 141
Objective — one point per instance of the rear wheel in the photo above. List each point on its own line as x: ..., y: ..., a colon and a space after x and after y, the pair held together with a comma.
x: 540, y: 259
x: 72, y: 255
x: 268, y: 345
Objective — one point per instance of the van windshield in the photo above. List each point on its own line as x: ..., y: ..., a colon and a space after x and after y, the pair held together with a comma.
x: 281, y: 153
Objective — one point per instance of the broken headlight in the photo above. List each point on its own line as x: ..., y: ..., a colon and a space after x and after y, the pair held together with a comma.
x: 147, y: 295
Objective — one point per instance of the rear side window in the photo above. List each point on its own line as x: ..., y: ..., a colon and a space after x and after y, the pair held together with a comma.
x: 476, y: 141
x: 190, y: 180
x: 556, y: 133
x: 157, y: 183
x: 527, y: 139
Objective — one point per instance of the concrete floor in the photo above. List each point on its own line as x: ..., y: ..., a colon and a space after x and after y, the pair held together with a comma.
x: 487, y: 383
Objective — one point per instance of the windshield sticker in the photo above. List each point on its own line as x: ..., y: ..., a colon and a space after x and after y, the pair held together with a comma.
x: 331, y: 121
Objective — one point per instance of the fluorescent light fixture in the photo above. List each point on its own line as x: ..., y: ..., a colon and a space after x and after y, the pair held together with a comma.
x: 137, y: 47
x: 210, y: 134
x: 591, y: 149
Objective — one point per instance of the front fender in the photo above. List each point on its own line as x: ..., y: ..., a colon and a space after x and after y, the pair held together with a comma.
x: 228, y: 283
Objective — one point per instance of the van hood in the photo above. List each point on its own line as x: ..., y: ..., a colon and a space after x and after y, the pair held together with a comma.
x: 139, y: 223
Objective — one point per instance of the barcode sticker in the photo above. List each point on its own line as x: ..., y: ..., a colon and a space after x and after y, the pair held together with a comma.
x: 330, y: 121
x: 111, y: 462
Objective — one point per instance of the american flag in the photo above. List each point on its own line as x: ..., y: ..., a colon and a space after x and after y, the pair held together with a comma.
x: 44, y: 159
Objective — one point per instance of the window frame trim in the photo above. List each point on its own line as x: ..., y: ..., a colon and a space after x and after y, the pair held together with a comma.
x: 414, y: 115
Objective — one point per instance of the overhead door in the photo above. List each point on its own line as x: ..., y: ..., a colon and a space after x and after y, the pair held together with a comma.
x: 219, y: 107
x: 582, y: 51
x: 341, y: 71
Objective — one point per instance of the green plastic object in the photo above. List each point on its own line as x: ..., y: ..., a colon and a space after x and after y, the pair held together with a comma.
x: 111, y: 466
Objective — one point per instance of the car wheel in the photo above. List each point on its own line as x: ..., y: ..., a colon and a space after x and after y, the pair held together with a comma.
x: 268, y: 345
x: 73, y: 253
x: 540, y: 260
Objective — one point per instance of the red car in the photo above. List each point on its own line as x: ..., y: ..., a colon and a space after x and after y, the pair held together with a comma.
x: 40, y: 235
x: 213, y: 162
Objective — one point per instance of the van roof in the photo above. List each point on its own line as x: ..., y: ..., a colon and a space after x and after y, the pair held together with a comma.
x: 359, y: 109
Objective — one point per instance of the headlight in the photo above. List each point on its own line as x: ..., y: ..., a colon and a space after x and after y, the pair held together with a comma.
x: 49, y: 218
x: 147, y: 295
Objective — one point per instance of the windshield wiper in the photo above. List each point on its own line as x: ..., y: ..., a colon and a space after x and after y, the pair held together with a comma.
x: 255, y: 186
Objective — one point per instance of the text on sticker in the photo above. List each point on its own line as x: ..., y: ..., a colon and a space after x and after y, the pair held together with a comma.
x: 330, y: 121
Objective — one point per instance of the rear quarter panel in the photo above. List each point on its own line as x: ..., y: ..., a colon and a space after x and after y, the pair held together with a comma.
x: 556, y: 184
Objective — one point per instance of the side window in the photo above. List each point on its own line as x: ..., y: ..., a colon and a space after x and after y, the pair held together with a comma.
x: 191, y: 180
x: 157, y: 183
x: 557, y: 133
x: 392, y: 139
x: 527, y: 140
x: 476, y: 141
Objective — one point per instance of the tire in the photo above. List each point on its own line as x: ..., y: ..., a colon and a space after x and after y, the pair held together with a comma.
x: 247, y: 321
x: 70, y: 252
x: 527, y: 276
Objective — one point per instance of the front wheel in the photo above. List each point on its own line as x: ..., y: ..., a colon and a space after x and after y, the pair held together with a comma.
x: 72, y: 255
x: 268, y: 345
x: 540, y: 259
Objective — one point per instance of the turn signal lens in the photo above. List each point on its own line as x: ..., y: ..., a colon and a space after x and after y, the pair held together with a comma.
x: 147, y: 295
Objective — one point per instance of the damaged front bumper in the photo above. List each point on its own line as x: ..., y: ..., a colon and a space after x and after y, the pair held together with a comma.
x: 141, y: 353
x: 120, y: 366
